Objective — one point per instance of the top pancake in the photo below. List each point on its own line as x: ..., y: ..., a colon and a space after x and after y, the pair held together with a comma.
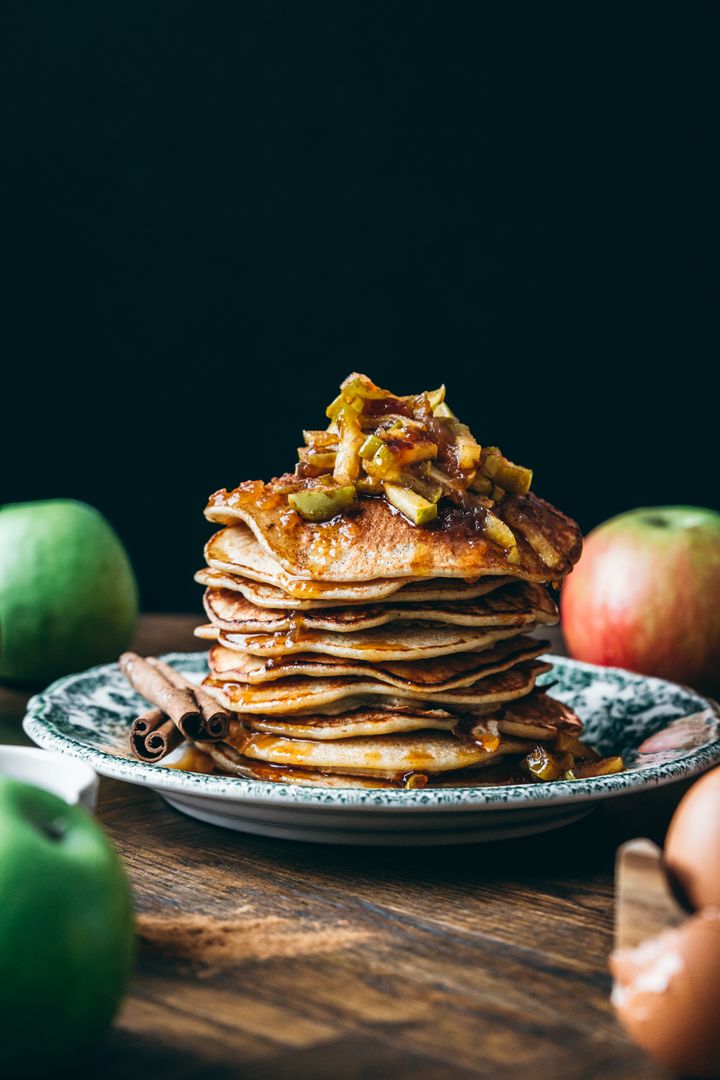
x: 376, y: 542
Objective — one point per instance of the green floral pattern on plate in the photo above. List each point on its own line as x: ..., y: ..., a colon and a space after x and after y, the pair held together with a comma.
x: 665, y: 732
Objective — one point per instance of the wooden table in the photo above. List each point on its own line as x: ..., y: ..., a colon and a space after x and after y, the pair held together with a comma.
x: 263, y: 958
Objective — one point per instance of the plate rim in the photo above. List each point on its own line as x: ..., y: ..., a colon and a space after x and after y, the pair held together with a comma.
x: 430, y: 800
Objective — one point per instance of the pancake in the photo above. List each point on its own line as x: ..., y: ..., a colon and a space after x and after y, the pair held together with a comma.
x: 375, y: 542
x: 496, y: 773
x: 388, y: 720
x: 262, y: 595
x: 441, y: 673
x: 399, y: 642
x: 388, y: 756
x: 230, y: 761
x: 521, y: 601
x: 332, y: 696
x: 270, y: 596
x: 540, y: 718
x: 236, y: 551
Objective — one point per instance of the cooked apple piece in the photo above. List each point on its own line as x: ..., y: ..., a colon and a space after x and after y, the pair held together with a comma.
x: 482, y: 484
x: 497, y: 531
x: 394, y: 430
x: 370, y: 446
x: 421, y: 406
x: 382, y: 463
x: 410, y: 451
x: 403, y: 427
x: 537, y: 541
x: 443, y: 411
x: 603, y: 767
x: 449, y: 485
x: 436, y: 397
x: 541, y: 546
x: 515, y: 478
x: 392, y: 457
x: 318, y: 504
x: 468, y: 453
x: 357, y: 385
x: 347, y: 463
x: 409, y: 441
x: 320, y: 440
x: 344, y: 406
x: 305, y: 471
x: 486, y: 735
x: 374, y: 423
x: 369, y: 485
x: 419, y: 483
x: 334, y: 406
x: 319, y: 459
x: 541, y: 765
x: 505, y: 473
x: 418, y: 510
x: 347, y: 459
x: 467, y: 449
x: 371, y: 401
x: 497, y: 493
x: 429, y: 490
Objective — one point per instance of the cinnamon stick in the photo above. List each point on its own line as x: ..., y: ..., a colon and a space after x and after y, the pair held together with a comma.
x: 153, y: 736
x: 217, y: 719
x: 177, y: 702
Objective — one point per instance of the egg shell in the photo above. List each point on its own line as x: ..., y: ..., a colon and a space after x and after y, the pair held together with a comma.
x: 692, y: 844
x: 666, y: 994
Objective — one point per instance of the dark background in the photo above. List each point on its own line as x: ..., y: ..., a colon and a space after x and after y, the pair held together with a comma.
x: 212, y: 214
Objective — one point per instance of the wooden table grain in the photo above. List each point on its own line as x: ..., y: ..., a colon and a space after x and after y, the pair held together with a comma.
x: 264, y: 958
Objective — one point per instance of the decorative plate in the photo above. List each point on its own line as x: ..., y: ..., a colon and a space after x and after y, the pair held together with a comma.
x: 665, y: 733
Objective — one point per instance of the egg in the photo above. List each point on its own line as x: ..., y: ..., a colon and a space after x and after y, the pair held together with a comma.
x: 692, y: 845
x: 666, y: 993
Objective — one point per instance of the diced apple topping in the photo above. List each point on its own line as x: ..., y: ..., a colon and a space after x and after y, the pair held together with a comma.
x: 413, y: 451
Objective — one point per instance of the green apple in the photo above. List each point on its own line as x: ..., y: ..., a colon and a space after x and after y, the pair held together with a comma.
x: 68, y: 597
x: 66, y: 931
x: 645, y: 595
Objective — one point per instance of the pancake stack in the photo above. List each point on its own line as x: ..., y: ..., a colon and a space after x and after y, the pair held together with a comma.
x: 376, y: 628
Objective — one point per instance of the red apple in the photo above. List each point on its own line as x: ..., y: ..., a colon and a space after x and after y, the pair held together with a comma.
x: 646, y: 595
